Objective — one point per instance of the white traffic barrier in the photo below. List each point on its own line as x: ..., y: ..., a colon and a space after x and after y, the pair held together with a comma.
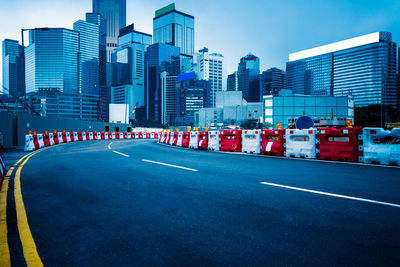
x: 84, y: 138
x: 213, y: 140
x: 51, y: 138
x: 381, y: 146
x: 171, y: 139
x: 129, y: 135
x: 251, y: 141
x: 76, y: 136
x: 301, y: 143
x: 2, y: 168
x: 40, y: 140
x: 68, y: 137
x: 179, y: 142
x: 152, y: 136
x: 113, y: 135
x: 98, y: 136
x: 60, y: 137
x: 29, y: 145
x: 194, y: 140
x: 121, y: 135
x: 90, y: 135
x: 144, y: 135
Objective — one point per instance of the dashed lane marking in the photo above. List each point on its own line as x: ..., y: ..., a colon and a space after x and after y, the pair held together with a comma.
x: 170, y: 165
x: 122, y: 154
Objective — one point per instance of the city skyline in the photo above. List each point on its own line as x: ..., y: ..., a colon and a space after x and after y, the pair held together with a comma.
x: 283, y: 38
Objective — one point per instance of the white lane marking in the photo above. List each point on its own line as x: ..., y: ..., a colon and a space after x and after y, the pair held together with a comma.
x: 170, y: 165
x: 109, y: 145
x: 333, y: 195
x: 125, y: 155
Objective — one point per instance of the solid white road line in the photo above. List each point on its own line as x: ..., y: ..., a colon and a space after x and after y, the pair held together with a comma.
x: 125, y: 155
x: 170, y: 165
x: 333, y: 195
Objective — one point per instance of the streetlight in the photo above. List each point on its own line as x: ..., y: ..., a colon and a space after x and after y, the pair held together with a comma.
x: 23, y: 54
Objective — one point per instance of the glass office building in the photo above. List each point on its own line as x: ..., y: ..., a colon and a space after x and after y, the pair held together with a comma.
x: 51, y: 61
x: 247, y: 76
x: 174, y: 28
x: 88, y: 56
x: 363, y: 67
x: 12, y: 69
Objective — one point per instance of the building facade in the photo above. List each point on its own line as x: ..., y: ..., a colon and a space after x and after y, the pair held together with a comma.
x: 272, y: 81
x: 362, y: 67
x: 13, y: 83
x: 174, y: 28
x: 231, y: 82
x: 211, y: 67
x: 324, y: 110
x: 169, y: 97
x: 248, y: 70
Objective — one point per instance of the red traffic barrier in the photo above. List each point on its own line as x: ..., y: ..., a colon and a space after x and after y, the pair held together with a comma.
x: 231, y: 140
x: 87, y: 136
x: 203, y: 140
x: 164, y: 137
x: 95, y: 135
x: 273, y: 142
x: 185, y: 139
x: 116, y: 135
x: 340, y: 144
x: 133, y: 135
x: 46, y: 139
x: 140, y: 135
x: 174, y: 138
x: 169, y: 136
x: 36, y: 141
x: 160, y: 138
x: 155, y: 135
x: 55, y: 138
x: 64, y: 137
x: 71, y: 135
x: 103, y: 136
x: 109, y: 135
x: 80, y: 138
x: 148, y: 135
x: 125, y: 135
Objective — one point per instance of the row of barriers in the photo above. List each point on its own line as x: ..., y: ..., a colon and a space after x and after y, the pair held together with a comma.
x: 2, y: 170
x: 368, y: 145
x: 37, y: 141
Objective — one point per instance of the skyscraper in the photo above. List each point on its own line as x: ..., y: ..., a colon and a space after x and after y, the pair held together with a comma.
x: 51, y: 61
x: 169, y: 98
x: 174, y: 28
x: 114, y: 13
x: 88, y: 55
x: 231, y: 82
x: 272, y: 81
x: 12, y: 68
x: 128, y: 65
x: 248, y: 70
x: 159, y: 57
x: 363, y: 67
x: 211, y: 67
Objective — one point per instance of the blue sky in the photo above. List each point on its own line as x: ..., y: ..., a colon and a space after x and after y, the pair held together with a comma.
x: 268, y: 29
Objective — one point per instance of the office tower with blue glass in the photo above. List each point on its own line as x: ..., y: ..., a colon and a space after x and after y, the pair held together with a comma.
x: 272, y: 81
x: 128, y: 71
x: 231, y: 82
x: 88, y: 56
x: 12, y: 69
x: 114, y: 13
x: 159, y: 58
x: 175, y: 28
x: 169, y: 97
x: 248, y: 78
x: 363, y: 67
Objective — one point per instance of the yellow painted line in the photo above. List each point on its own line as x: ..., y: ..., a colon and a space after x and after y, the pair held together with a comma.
x: 4, y: 250
x: 28, y: 244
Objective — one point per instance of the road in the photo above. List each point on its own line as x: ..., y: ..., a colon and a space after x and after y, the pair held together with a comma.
x: 139, y: 203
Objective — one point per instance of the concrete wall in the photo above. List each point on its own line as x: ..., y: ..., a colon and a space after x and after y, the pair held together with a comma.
x: 14, y: 128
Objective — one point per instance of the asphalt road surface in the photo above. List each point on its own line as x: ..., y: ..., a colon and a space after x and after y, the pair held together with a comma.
x: 139, y: 203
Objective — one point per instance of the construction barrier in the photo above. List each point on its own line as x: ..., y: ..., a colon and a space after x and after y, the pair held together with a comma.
x: 61, y: 137
x: 213, y: 140
x: 179, y: 140
x: 160, y: 137
x: 185, y: 139
x: 381, y: 146
x: 29, y: 145
x: 340, y: 144
x: 301, y: 143
x: 117, y: 136
x: 164, y: 137
x: 148, y: 135
x: 169, y: 135
x: 84, y: 136
x: 194, y: 140
x: 231, y: 140
x: 36, y: 141
x: 75, y: 136
x: 273, y: 142
x: 51, y: 138
x: 153, y: 135
x: 125, y: 136
x: 55, y: 138
x: 174, y: 138
x: 203, y: 140
x: 128, y: 135
x: 251, y: 141
x: 171, y: 138
x: 40, y: 140
x: 2, y: 170
x: 80, y: 138
x: 108, y: 135
x: 140, y: 135
x: 113, y: 135
x: 46, y: 140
